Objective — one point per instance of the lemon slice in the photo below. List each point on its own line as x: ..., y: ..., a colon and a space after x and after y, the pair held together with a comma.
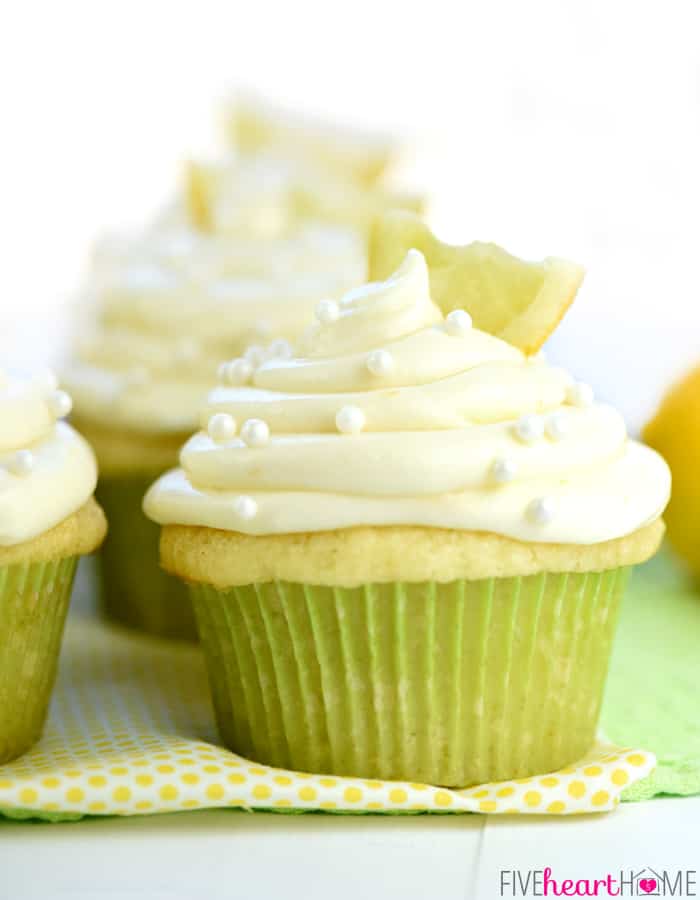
x: 675, y: 433
x: 255, y: 127
x: 520, y: 302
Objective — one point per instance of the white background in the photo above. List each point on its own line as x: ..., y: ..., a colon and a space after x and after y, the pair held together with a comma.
x: 553, y: 128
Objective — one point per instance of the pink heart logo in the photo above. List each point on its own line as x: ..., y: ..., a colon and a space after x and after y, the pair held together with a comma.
x: 647, y: 884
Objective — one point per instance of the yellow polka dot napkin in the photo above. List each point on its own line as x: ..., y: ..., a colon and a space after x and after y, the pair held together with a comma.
x: 131, y: 731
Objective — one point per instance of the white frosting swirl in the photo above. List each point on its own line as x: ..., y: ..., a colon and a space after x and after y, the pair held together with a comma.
x: 47, y: 470
x: 169, y: 306
x: 396, y: 416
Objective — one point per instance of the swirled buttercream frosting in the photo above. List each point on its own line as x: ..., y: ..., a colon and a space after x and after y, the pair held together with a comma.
x: 165, y: 308
x: 47, y: 470
x: 393, y: 414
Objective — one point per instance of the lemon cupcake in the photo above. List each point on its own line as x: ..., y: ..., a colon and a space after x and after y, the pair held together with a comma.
x: 48, y: 519
x: 237, y: 264
x: 166, y: 313
x: 406, y: 547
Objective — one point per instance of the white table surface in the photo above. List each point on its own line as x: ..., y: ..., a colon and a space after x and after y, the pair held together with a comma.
x: 222, y: 854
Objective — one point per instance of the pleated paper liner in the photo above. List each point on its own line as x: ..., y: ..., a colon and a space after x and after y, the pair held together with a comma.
x: 34, y: 598
x: 449, y: 684
x: 134, y: 590
x: 131, y: 732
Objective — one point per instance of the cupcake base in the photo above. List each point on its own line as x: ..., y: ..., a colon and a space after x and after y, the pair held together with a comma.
x: 134, y: 590
x: 452, y: 684
x: 34, y: 598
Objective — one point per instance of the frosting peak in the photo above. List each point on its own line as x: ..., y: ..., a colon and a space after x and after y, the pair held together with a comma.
x: 396, y: 415
x: 47, y: 471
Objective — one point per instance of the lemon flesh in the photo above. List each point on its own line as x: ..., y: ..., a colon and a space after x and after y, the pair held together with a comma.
x: 520, y: 302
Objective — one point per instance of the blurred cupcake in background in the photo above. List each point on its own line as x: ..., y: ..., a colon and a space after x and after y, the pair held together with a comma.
x: 48, y: 519
x: 231, y: 274
x: 407, y: 544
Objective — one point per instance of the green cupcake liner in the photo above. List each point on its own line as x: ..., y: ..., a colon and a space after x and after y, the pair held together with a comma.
x: 452, y: 684
x: 34, y: 600
x: 134, y: 590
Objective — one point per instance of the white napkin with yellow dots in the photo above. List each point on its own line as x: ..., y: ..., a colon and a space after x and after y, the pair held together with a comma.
x: 131, y: 732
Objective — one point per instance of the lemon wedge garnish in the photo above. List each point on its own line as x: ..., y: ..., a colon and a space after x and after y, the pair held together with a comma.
x: 257, y: 127
x: 518, y: 301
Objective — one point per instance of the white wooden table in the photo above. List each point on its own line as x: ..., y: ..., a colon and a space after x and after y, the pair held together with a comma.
x: 221, y: 854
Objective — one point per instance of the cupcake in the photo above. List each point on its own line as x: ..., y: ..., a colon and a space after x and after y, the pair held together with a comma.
x: 239, y: 268
x: 48, y: 519
x: 406, y: 546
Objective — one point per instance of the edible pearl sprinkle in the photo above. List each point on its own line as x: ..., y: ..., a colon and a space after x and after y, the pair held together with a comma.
x: 541, y: 510
x: 21, y: 463
x: 529, y: 429
x: 60, y: 404
x: 580, y: 394
x: 255, y: 433
x: 458, y: 322
x: 350, y: 420
x: 245, y: 507
x: 557, y: 426
x: 380, y: 362
x: 504, y: 470
x: 280, y: 349
x: 235, y: 372
x: 327, y: 311
x: 221, y: 427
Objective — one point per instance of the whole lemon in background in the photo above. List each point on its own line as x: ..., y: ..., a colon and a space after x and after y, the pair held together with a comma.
x: 675, y: 433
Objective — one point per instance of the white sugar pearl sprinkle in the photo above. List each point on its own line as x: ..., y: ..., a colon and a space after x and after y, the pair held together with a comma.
x: 280, y: 349
x: 557, y: 426
x: 503, y: 470
x: 21, y: 463
x: 458, y: 322
x: 221, y: 427
x: 529, y: 429
x: 580, y: 394
x: 380, y: 362
x: 60, y: 404
x: 255, y: 433
x: 327, y: 311
x: 541, y: 511
x: 245, y: 507
x: 350, y: 420
x: 235, y: 371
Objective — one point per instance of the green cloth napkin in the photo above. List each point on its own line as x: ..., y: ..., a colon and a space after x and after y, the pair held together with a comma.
x: 653, y: 694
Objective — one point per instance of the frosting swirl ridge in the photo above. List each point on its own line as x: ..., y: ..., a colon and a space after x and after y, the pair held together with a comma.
x: 397, y: 415
x: 168, y: 307
x: 47, y: 470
